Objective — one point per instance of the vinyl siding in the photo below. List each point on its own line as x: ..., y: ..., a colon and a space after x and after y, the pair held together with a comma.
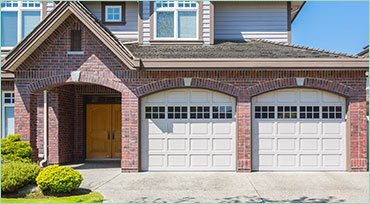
x: 124, y: 33
x: 245, y: 20
x: 206, y: 23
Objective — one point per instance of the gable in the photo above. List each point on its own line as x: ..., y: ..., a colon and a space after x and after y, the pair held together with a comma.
x: 57, y: 17
x: 54, y: 54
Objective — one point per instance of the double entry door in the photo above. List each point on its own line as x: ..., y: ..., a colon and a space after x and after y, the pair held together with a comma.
x: 103, y: 131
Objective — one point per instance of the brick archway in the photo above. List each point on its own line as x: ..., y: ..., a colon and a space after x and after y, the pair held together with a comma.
x: 166, y: 84
x: 315, y: 83
x: 85, y: 77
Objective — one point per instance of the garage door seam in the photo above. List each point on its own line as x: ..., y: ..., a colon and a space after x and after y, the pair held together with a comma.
x: 255, y: 189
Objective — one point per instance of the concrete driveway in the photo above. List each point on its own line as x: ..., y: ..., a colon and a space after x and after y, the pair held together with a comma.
x: 224, y: 187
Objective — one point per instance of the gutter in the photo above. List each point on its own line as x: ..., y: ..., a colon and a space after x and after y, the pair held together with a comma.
x: 263, y: 63
x: 45, y: 155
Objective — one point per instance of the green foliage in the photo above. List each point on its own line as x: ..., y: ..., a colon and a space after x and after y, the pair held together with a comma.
x: 57, y: 179
x: 93, y: 197
x: 13, y: 149
x: 16, y: 174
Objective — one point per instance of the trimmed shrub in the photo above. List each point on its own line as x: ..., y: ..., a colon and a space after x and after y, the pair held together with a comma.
x: 13, y: 149
x: 16, y: 174
x: 58, y: 179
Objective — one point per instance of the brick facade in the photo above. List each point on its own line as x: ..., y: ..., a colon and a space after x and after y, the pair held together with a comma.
x: 49, y: 68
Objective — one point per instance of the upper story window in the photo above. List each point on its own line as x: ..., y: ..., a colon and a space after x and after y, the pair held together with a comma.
x: 176, y: 20
x: 113, y: 13
x: 18, y: 19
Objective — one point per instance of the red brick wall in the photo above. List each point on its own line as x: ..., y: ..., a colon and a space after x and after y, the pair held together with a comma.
x: 49, y: 66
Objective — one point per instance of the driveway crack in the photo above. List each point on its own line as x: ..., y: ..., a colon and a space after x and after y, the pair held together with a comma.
x: 96, y: 188
x: 255, y: 189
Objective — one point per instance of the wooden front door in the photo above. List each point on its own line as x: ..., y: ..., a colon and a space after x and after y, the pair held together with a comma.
x: 103, y: 131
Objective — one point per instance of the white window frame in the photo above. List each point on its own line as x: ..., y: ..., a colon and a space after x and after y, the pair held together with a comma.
x: 4, y: 105
x: 113, y: 6
x: 176, y: 9
x: 19, y: 11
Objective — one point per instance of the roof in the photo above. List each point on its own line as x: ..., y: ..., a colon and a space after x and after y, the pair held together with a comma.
x: 364, y: 52
x: 249, y: 49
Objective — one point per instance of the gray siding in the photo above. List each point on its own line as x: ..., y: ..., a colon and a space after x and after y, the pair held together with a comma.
x: 243, y: 20
x: 124, y: 33
x: 206, y: 23
x: 146, y: 23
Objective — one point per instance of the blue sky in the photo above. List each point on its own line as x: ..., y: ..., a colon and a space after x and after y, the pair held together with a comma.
x: 336, y: 26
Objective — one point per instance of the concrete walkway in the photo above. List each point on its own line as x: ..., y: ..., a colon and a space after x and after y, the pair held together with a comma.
x: 224, y: 187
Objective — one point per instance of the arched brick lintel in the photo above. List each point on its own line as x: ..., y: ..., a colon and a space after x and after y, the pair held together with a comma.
x: 316, y: 83
x: 59, y: 80
x: 166, y: 84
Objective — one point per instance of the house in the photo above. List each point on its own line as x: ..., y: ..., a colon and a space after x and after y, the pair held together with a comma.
x: 181, y: 86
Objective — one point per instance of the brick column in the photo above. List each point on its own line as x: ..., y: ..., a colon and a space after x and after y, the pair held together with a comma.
x: 25, y: 116
x: 244, y: 133
x: 130, y: 132
x: 358, y: 137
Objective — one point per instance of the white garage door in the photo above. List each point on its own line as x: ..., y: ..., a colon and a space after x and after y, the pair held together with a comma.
x: 188, y: 130
x: 298, y: 129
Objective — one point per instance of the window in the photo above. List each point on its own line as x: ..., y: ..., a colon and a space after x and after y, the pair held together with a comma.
x: 309, y: 112
x: 222, y: 112
x: 154, y: 112
x: 8, y: 113
x: 331, y: 112
x: 176, y: 20
x: 18, y: 19
x: 113, y: 13
x: 287, y: 112
x: 177, y: 112
x: 76, y: 40
x: 199, y: 112
x: 264, y: 112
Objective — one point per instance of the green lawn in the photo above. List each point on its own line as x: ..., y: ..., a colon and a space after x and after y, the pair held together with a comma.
x: 93, y: 197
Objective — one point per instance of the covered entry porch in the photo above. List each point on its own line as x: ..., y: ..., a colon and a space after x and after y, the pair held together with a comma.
x: 84, y: 122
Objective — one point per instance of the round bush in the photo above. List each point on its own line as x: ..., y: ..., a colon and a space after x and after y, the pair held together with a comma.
x: 15, y: 175
x: 13, y: 149
x: 58, y: 179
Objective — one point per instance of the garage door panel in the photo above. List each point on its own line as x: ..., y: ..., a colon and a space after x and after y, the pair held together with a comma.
x: 309, y: 96
x: 264, y: 127
x: 313, y: 138
x: 177, y: 128
x: 222, y: 160
x: 157, y: 144
x: 188, y: 138
x: 333, y: 160
x: 199, y: 129
x: 222, y: 144
x: 332, y: 144
x: 286, y: 128
x: 266, y: 144
x: 199, y: 97
x: 309, y: 128
x: 175, y: 160
x: 199, y: 161
x: 177, y: 144
x: 287, y: 97
x: 177, y: 97
x: 309, y: 160
x: 199, y: 144
x: 287, y: 144
x: 310, y: 144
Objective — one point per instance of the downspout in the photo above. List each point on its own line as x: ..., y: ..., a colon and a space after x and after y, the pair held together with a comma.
x: 45, y: 129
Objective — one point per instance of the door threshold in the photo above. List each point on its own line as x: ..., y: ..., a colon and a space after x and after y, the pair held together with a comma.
x: 104, y: 159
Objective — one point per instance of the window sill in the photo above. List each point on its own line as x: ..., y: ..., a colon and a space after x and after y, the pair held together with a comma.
x: 177, y: 41
x: 108, y: 23
x: 75, y: 53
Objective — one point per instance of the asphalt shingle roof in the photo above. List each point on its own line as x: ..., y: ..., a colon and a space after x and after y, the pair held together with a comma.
x: 248, y: 49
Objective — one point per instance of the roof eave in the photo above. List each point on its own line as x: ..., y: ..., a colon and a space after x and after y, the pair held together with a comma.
x: 286, y: 63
